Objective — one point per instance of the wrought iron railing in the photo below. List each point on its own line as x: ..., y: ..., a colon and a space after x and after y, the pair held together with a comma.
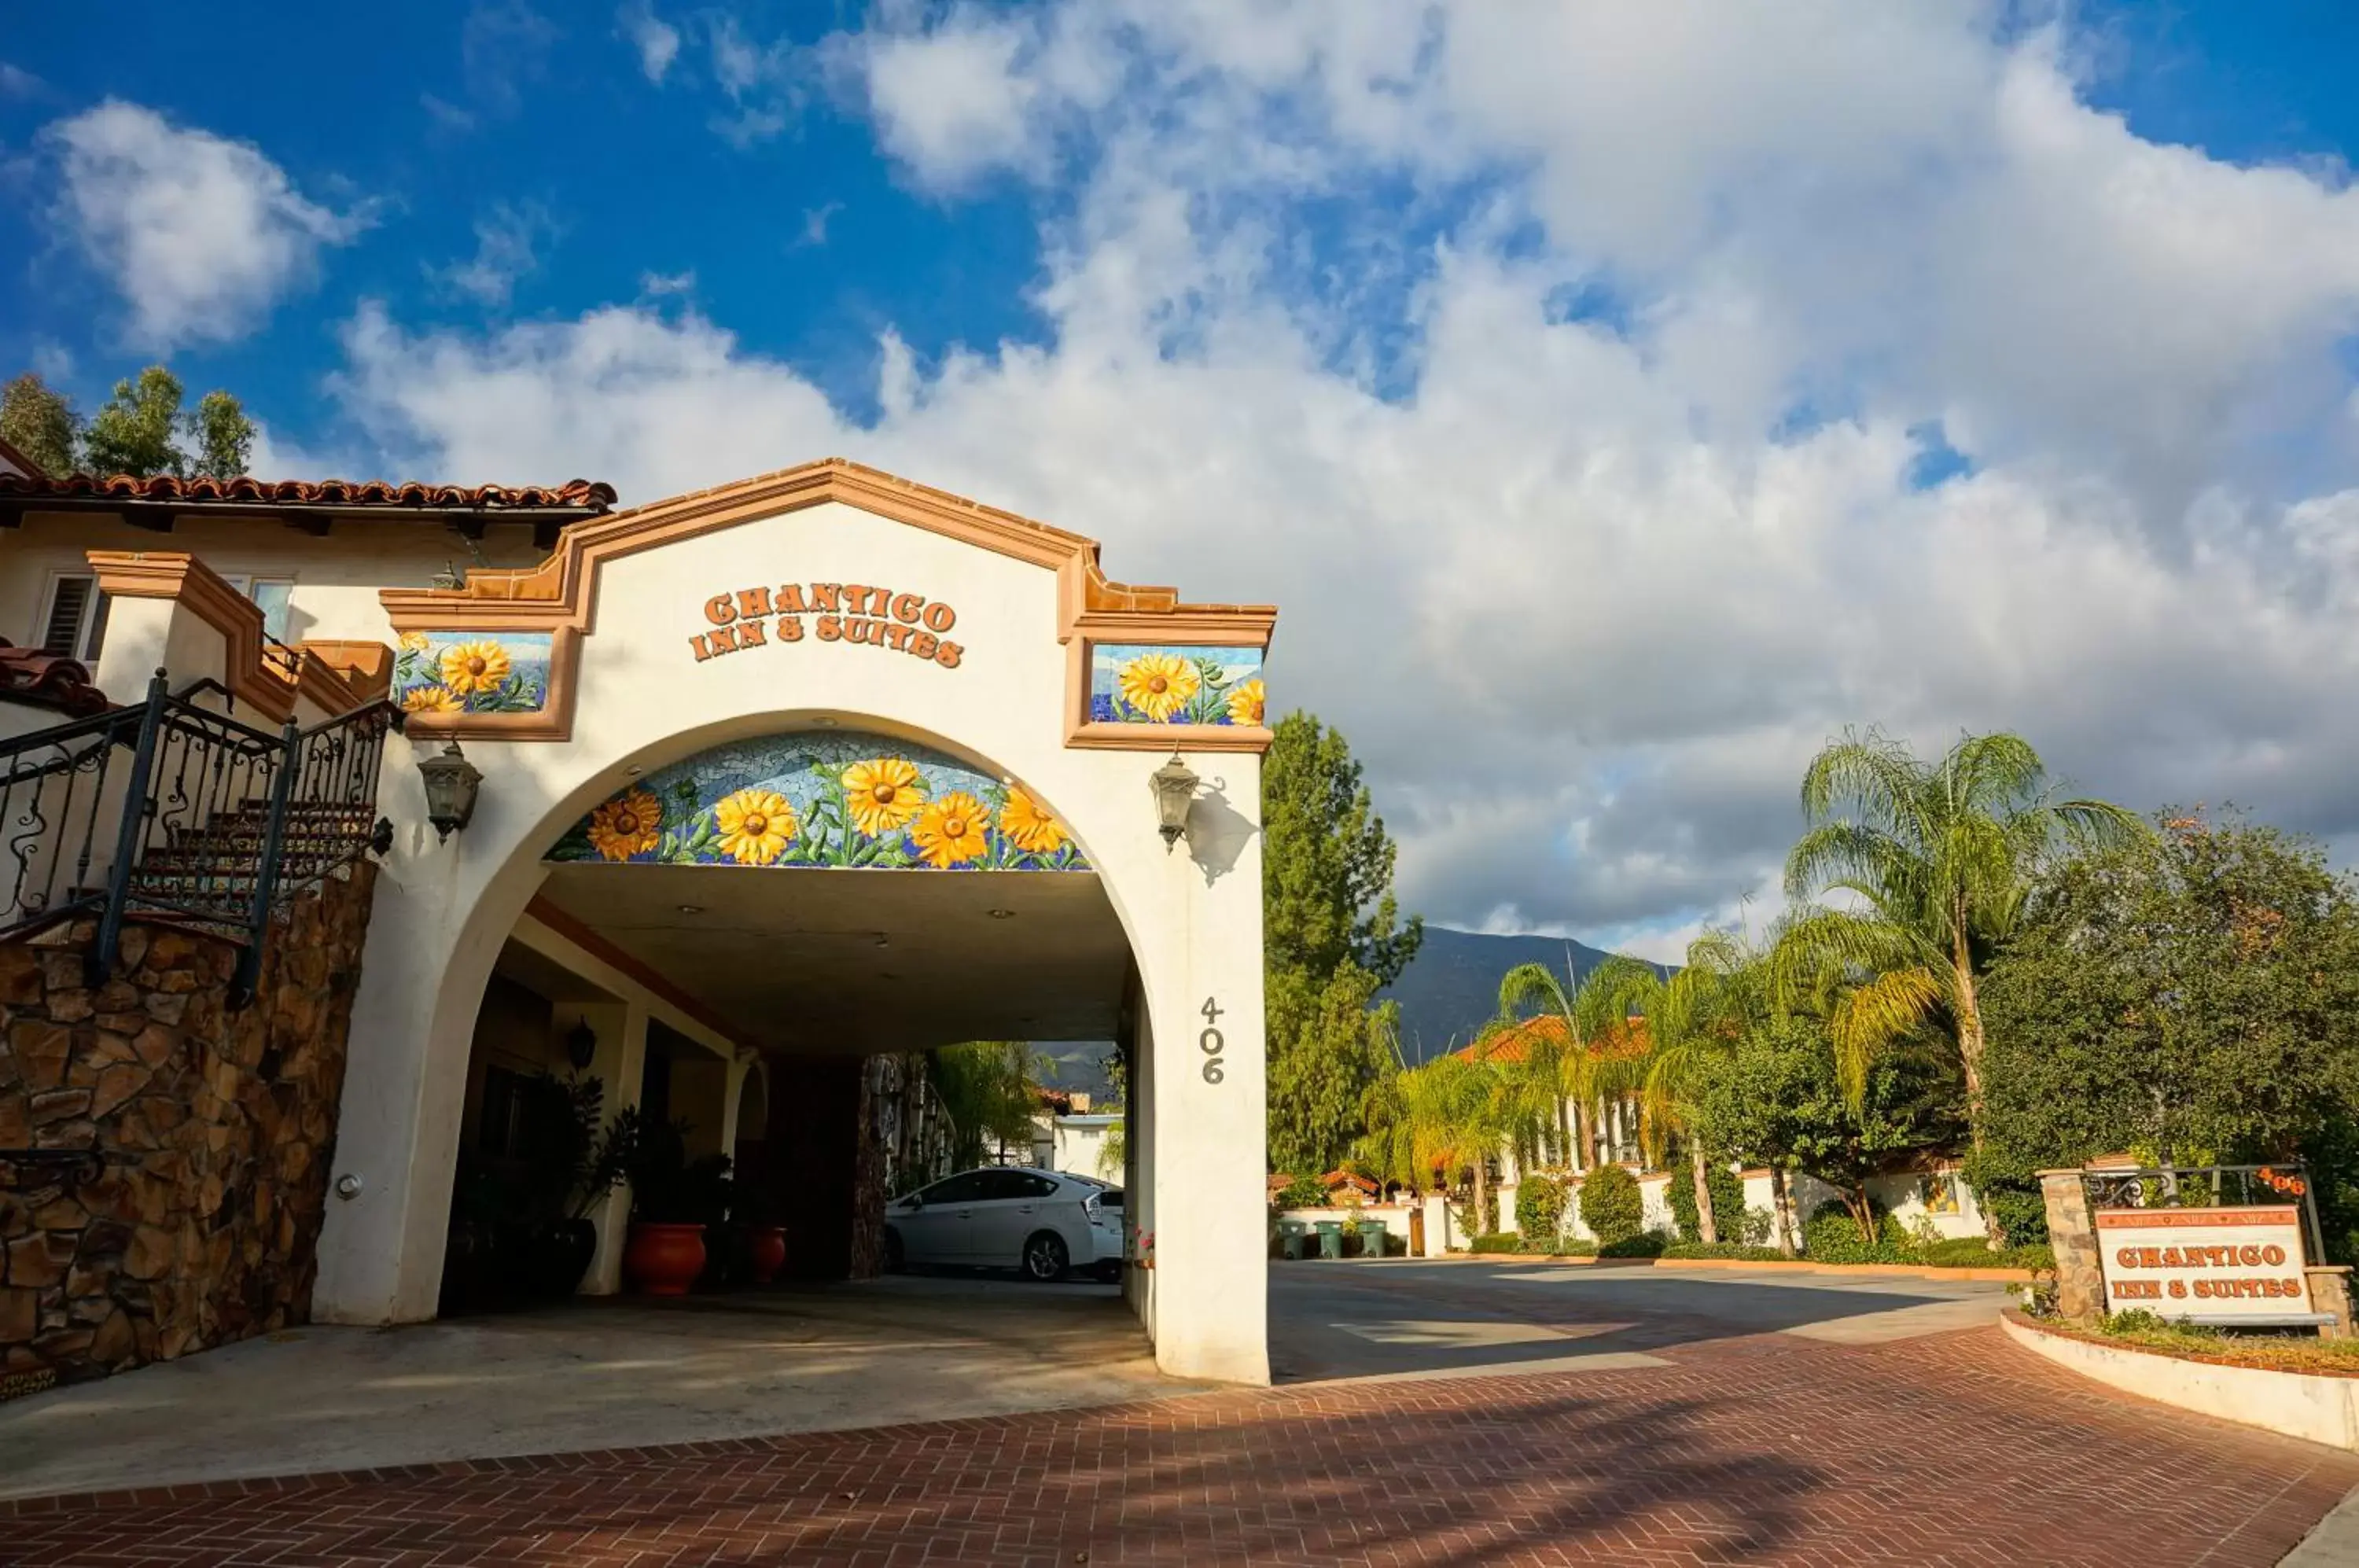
x: 171, y: 810
x: 2208, y: 1187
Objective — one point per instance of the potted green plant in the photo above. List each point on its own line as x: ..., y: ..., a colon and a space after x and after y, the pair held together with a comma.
x: 673, y: 1201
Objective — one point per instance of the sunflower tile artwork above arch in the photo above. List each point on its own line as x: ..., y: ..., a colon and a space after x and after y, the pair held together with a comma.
x: 471, y: 672
x: 1156, y: 684
x: 824, y: 799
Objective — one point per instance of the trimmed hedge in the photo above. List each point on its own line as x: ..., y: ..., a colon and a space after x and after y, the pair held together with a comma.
x: 1727, y: 1201
x: 1612, y: 1206
x: 1497, y: 1241
x: 1724, y: 1249
x: 1539, y: 1206
x: 1538, y: 1246
x: 1645, y: 1244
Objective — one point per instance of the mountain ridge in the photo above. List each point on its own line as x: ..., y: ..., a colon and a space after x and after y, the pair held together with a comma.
x: 1451, y: 989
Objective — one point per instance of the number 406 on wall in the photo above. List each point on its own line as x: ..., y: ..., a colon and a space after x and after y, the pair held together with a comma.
x: 1211, y: 1044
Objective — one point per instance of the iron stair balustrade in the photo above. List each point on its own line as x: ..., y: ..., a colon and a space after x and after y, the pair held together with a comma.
x: 221, y: 821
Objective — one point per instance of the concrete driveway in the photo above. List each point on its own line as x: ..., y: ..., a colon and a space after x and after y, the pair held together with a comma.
x: 595, y: 1373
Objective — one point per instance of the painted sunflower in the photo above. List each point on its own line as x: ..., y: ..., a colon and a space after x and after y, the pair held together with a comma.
x: 627, y: 825
x: 755, y: 826
x: 416, y: 642
x: 1028, y: 826
x: 882, y: 795
x: 431, y: 700
x: 1156, y: 684
x: 1246, y: 703
x: 950, y: 831
x: 471, y: 667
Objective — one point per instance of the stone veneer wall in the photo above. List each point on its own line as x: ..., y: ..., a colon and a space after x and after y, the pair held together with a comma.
x: 217, y: 1128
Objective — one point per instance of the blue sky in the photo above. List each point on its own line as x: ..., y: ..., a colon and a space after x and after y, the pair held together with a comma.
x: 1622, y: 399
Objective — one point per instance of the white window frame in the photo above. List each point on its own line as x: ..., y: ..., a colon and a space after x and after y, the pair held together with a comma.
x: 90, y: 632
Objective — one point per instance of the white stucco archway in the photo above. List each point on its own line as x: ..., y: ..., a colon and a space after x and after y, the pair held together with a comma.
x: 604, y: 661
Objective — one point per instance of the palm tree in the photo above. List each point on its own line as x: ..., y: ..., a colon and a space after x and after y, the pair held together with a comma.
x: 1565, y: 1069
x: 1938, y: 859
x: 1693, y: 1019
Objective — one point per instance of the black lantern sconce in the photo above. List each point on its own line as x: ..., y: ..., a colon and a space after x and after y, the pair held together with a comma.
x: 452, y: 784
x: 581, y: 1045
x: 1175, y: 791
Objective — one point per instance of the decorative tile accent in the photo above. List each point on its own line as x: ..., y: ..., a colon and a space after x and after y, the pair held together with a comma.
x: 824, y: 799
x: 1139, y: 683
x: 471, y: 672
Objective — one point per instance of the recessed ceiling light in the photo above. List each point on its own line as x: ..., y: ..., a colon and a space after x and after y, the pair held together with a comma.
x: 824, y: 723
x: 691, y: 908
x: 1001, y: 914
x: 633, y: 770
x: 884, y: 941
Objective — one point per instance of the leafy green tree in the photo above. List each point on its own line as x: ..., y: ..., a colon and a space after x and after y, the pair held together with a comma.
x: 140, y: 428
x: 1333, y: 937
x: 1612, y: 1205
x: 40, y: 423
x: 134, y: 432
x: 224, y: 436
x: 989, y: 1090
x: 1779, y: 1099
x: 1326, y: 1050
x: 1941, y: 856
x: 1327, y: 862
x: 1693, y: 1021
x: 2192, y: 997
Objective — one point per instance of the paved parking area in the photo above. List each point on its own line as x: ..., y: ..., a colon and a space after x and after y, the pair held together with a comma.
x: 1720, y: 1422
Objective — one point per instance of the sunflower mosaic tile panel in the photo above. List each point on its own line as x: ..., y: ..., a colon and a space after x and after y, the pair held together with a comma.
x: 1144, y: 685
x: 471, y: 672
x: 828, y: 798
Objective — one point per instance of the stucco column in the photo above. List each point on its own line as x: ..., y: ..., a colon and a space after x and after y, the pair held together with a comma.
x: 1203, y: 985
x: 2072, y: 1234
x: 733, y: 1097
x: 621, y: 1061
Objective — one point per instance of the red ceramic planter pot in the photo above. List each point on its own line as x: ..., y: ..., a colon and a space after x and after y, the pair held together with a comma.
x: 664, y: 1259
x: 769, y: 1252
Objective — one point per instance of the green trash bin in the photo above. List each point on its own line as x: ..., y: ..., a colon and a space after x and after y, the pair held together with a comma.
x: 1293, y: 1237
x: 1330, y: 1238
x: 1372, y: 1238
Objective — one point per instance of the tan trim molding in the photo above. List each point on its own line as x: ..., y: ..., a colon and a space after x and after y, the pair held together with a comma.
x: 614, y: 958
x: 364, y: 668
x: 560, y: 596
x: 248, y: 669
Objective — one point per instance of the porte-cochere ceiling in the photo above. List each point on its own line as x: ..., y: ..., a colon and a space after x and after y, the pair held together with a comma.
x: 758, y: 876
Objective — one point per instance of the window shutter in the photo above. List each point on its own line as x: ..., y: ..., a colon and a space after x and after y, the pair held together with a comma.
x: 65, y: 609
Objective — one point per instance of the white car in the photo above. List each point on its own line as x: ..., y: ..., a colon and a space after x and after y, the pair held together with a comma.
x: 1045, y: 1222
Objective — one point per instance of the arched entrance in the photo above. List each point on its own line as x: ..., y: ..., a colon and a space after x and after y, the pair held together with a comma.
x: 651, y: 710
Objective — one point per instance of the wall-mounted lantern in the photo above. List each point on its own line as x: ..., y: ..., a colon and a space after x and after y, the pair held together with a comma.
x: 1175, y: 791
x: 581, y: 1045
x: 451, y: 782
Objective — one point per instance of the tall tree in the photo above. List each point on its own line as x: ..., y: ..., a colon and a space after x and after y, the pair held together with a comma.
x: 1333, y: 936
x: 1327, y: 862
x: 989, y: 1090
x: 140, y: 431
x: 224, y: 436
x: 1692, y: 1024
x: 134, y: 431
x: 40, y: 423
x: 1938, y: 858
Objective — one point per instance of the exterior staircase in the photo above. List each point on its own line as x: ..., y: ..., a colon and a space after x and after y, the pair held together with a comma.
x: 213, y: 871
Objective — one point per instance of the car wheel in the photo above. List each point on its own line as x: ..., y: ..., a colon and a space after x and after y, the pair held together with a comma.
x: 1045, y: 1257
x: 893, y: 1260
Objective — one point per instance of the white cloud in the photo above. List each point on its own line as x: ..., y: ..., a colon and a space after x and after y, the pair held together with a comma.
x: 1561, y: 371
x: 201, y: 235
x: 657, y: 41
x: 508, y: 240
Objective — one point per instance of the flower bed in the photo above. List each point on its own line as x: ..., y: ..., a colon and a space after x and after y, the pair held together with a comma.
x: 2233, y: 1380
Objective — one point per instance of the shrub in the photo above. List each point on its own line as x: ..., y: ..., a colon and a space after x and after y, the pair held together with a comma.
x: 1972, y: 1252
x: 1568, y: 1247
x: 1497, y: 1241
x: 1727, y: 1202
x: 1724, y: 1249
x: 1831, y: 1236
x: 1540, y: 1206
x: 1612, y: 1205
x: 1760, y: 1229
x: 1645, y: 1244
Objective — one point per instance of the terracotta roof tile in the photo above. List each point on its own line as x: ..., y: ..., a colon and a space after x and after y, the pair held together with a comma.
x: 1511, y: 1043
x: 28, y: 675
x: 578, y: 495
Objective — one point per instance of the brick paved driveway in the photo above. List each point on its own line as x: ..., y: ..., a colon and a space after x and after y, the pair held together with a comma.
x: 1953, y: 1447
